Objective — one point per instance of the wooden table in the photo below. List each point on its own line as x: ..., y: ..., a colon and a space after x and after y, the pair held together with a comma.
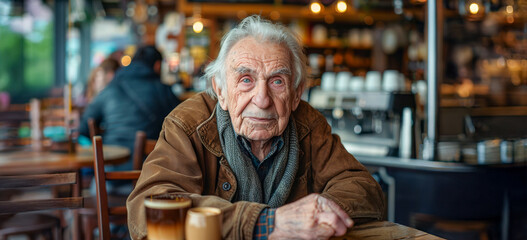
x: 26, y: 160
x: 383, y: 230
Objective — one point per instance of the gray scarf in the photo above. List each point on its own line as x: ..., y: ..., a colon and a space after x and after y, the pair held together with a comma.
x: 278, y: 182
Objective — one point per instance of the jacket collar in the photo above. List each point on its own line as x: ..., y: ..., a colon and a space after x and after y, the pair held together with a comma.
x: 209, y: 137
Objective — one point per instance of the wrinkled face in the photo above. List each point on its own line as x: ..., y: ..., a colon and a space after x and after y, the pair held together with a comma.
x: 260, y: 94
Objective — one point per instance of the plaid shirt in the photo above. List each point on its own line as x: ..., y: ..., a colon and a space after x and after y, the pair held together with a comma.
x: 265, y: 225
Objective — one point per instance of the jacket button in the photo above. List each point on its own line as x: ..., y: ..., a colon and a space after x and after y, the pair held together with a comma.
x: 226, y: 186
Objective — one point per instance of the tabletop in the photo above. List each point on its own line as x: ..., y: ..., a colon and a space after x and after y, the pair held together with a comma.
x: 384, y: 230
x: 24, y: 159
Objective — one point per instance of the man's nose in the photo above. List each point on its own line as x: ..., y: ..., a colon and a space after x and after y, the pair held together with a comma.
x: 261, y: 98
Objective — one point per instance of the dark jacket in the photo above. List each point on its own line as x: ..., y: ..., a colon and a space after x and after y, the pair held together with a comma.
x: 134, y: 100
x: 188, y: 159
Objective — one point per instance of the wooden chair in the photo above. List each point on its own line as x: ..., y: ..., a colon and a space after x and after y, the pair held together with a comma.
x: 35, y: 223
x: 52, y: 114
x: 142, y: 147
x: 12, y: 120
x: 44, y: 113
x: 93, y: 128
x: 104, y: 211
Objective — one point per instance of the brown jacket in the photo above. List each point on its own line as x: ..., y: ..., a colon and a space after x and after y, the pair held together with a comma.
x: 188, y: 159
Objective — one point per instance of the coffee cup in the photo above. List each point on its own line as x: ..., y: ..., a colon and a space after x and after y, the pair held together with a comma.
x: 203, y: 223
x: 356, y: 84
x: 373, y: 81
x: 328, y: 81
x: 165, y: 216
x: 342, y: 81
x: 390, y: 81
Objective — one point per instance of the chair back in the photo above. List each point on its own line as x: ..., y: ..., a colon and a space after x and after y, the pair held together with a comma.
x: 103, y: 210
x: 39, y: 181
x: 51, y: 119
x: 142, y: 147
x: 93, y: 128
x: 46, y: 113
x: 14, y: 126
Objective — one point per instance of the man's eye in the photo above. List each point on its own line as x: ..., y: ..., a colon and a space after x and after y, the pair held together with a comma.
x: 277, y: 81
x: 246, y: 80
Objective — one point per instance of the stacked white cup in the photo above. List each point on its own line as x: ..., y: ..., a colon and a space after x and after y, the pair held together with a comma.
x: 390, y: 81
x: 328, y: 81
x: 373, y: 81
x: 356, y: 84
x: 343, y: 81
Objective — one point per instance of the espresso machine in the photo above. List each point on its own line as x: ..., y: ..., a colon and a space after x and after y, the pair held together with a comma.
x: 376, y: 123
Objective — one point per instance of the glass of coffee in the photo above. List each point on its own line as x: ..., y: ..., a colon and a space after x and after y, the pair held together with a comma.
x: 165, y: 216
x: 203, y: 223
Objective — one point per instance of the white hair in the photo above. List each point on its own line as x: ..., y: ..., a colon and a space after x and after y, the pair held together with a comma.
x: 262, y: 30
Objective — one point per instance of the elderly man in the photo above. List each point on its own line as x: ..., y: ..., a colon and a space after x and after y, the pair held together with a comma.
x: 253, y: 149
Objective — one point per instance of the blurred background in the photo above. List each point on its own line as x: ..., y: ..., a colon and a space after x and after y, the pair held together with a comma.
x: 370, y: 73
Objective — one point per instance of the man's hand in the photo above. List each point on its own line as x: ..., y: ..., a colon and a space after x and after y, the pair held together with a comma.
x: 312, y: 217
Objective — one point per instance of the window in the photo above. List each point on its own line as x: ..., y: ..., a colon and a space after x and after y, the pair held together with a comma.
x: 26, y: 49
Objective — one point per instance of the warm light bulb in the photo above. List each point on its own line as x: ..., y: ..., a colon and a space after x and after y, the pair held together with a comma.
x: 315, y: 7
x: 126, y: 60
x: 342, y: 6
x: 473, y: 8
x: 197, y: 26
x: 509, y: 9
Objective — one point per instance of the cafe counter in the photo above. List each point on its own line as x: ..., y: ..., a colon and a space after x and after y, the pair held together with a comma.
x: 494, y: 194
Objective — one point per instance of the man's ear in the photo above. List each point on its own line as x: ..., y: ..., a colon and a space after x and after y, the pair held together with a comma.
x: 298, y: 94
x: 221, y: 99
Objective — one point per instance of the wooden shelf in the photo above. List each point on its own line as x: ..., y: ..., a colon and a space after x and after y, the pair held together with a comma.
x: 286, y: 12
x: 334, y: 45
x: 329, y: 44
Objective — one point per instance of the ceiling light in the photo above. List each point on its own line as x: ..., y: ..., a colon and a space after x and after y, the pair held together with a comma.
x: 197, y: 26
x: 341, y: 6
x: 473, y: 8
x: 315, y: 7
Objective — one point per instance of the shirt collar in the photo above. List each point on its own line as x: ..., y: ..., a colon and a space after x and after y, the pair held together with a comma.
x: 277, y: 143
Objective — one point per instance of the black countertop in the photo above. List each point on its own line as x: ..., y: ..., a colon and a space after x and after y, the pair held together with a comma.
x: 425, y: 165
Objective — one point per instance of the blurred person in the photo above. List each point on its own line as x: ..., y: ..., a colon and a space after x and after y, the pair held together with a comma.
x: 251, y: 147
x: 100, y: 77
x: 117, y: 55
x: 134, y: 100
